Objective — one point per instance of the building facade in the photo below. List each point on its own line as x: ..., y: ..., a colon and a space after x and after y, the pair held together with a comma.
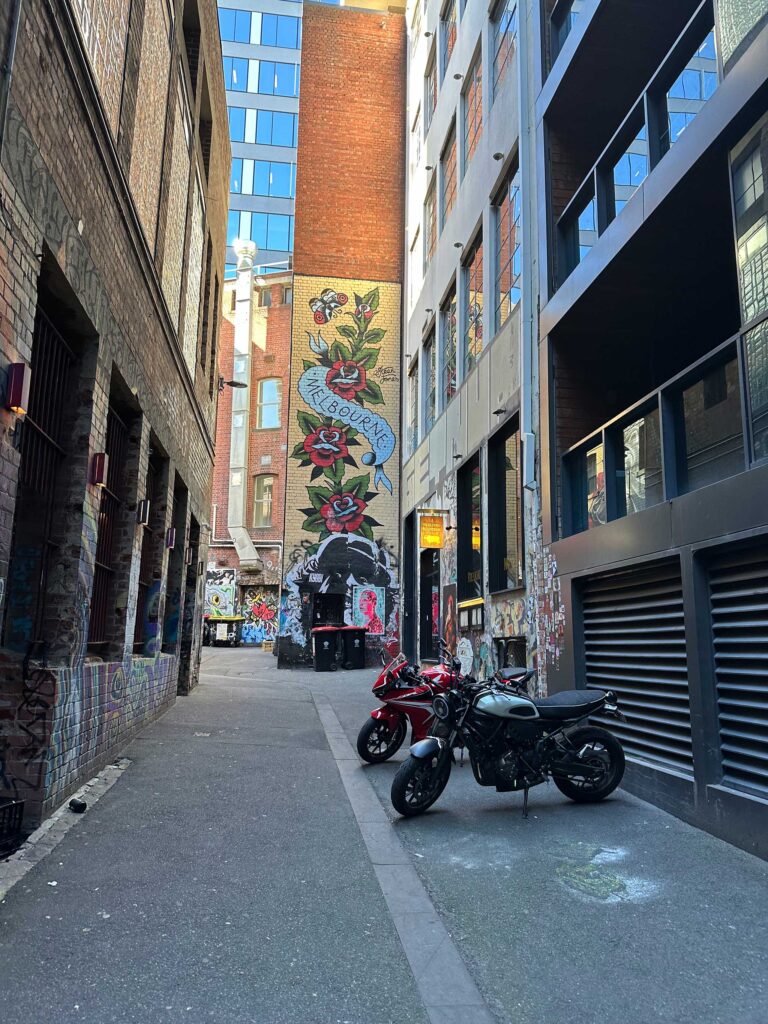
x: 652, y: 156
x: 245, y: 554
x: 468, y: 368
x: 113, y: 178
x: 261, y: 44
x: 340, y: 561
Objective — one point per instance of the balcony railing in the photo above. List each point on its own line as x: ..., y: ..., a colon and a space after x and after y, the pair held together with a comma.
x: 707, y: 423
x: 563, y: 19
x: 680, y: 87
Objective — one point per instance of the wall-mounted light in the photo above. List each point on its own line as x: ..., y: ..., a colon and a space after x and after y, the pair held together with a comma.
x: 231, y: 384
x: 170, y: 537
x: 458, y: 76
x: 457, y: 457
x: 458, y: 245
x: 428, y: 310
x: 428, y: 35
x: 429, y: 167
x: 17, y: 388
x: 142, y: 512
x: 499, y: 412
x: 189, y: 555
x: 99, y: 467
x: 498, y: 156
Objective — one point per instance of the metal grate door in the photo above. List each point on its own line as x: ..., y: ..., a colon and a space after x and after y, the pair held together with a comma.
x: 738, y: 587
x: 634, y: 644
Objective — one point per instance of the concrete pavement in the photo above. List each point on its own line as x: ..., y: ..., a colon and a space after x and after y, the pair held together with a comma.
x: 242, y: 870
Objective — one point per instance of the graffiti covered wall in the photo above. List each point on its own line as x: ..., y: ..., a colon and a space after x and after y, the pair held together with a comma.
x: 221, y: 593
x: 341, y: 524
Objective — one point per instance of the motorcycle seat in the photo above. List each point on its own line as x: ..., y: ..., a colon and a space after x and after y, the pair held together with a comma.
x: 570, y: 704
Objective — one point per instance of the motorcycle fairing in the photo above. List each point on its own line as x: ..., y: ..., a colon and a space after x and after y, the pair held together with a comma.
x: 430, y: 747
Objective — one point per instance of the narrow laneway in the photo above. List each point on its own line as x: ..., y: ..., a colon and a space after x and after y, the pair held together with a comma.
x: 225, y: 878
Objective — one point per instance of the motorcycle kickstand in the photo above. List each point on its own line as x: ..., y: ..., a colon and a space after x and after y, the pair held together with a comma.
x: 525, y: 802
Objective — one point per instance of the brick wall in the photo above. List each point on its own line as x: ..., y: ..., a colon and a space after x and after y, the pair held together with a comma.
x: 71, y: 239
x: 350, y: 183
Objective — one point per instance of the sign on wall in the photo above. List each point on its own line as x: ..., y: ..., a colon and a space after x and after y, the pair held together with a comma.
x: 431, y: 531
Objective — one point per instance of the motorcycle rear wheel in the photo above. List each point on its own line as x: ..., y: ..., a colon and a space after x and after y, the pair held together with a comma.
x: 377, y: 743
x: 606, y: 751
x: 418, y: 784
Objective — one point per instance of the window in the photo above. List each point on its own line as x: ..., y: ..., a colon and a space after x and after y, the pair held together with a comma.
x: 416, y: 140
x: 639, y: 463
x: 263, y: 487
x: 267, y: 230
x: 504, y: 35
x: 268, y: 127
x: 265, y: 299
x: 473, y: 110
x: 447, y: 34
x: 430, y: 91
x: 448, y: 175
x: 263, y: 178
x: 415, y: 269
x: 748, y: 181
x: 630, y: 170
x: 276, y: 79
x: 279, y: 30
x: 235, y: 26
x: 473, y: 310
x: 430, y: 225
x: 470, y: 531
x: 508, y: 252
x: 690, y: 91
x: 236, y: 73
x: 713, y: 444
x: 269, y: 397
x: 756, y: 351
x: 430, y: 382
x: 416, y: 26
x: 505, y: 509
x: 287, y: 296
x: 448, y: 345
x: 413, y: 408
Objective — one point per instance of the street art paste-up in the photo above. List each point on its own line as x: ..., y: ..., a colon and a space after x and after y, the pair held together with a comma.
x: 450, y: 621
x: 343, y: 436
x: 260, y: 611
x: 220, y: 600
x: 366, y: 603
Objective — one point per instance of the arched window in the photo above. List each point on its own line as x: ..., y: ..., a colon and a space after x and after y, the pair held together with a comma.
x: 269, y: 398
x: 263, y: 487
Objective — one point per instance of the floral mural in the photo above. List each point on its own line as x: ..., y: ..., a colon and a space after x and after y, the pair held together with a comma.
x: 343, y: 422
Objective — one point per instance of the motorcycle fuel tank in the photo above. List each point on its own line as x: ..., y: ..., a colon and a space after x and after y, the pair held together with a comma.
x: 505, y: 705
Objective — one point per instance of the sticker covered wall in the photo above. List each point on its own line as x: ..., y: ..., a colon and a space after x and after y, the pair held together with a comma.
x: 341, y: 521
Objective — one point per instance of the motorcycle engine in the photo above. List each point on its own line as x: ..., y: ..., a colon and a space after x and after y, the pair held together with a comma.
x: 520, y: 763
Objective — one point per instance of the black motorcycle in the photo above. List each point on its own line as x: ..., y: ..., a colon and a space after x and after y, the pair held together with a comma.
x: 514, y: 742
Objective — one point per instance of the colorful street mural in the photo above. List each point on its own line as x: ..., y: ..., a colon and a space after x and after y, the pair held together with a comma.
x: 259, y: 608
x: 342, y: 517
x: 221, y: 593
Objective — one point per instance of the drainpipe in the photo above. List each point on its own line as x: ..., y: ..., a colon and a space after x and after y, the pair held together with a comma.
x: 529, y: 298
x: 6, y: 71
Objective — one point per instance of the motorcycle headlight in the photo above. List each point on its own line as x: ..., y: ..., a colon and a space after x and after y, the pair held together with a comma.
x: 441, y: 708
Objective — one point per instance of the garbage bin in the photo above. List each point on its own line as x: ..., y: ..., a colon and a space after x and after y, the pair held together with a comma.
x: 324, y: 643
x: 227, y: 630
x: 353, y: 646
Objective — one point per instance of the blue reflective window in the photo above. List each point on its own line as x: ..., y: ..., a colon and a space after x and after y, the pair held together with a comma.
x: 236, y: 176
x: 279, y: 235
x: 287, y: 31
x: 261, y: 177
x: 227, y: 24
x: 283, y: 130
x: 235, y: 73
x: 242, y: 26
x: 259, y: 229
x: 230, y: 271
x: 281, y: 180
x: 286, y: 79
x: 269, y: 30
x: 266, y: 77
x: 237, y: 124
x: 264, y: 127
x: 233, y: 226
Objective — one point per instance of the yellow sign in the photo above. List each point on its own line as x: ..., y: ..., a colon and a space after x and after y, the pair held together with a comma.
x: 431, y: 532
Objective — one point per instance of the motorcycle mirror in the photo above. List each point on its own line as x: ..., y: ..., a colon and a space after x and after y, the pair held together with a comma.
x: 383, y: 658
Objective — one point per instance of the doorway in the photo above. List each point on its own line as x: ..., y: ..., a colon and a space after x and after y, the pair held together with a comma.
x: 327, y: 610
x: 408, y: 628
x: 429, y: 605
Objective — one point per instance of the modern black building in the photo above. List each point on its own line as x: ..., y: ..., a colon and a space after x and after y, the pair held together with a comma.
x: 652, y: 158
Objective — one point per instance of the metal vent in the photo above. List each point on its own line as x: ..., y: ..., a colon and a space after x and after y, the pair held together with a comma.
x: 738, y: 586
x: 634, y: 644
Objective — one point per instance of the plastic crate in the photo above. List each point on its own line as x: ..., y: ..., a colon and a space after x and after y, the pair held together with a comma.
x: 11, y: 814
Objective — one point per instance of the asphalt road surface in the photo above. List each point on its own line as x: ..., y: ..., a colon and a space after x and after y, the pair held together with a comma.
x: 247, y: 868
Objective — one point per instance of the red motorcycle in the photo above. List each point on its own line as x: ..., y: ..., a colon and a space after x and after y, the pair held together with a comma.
x: 406, y: 693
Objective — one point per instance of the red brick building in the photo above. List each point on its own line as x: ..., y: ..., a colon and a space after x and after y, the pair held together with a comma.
x: 340, y: 558
x: 243, y: 577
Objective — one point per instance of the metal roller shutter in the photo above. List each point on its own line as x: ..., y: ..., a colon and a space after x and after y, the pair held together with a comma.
x: 634, y: 644
x: 738, y: 587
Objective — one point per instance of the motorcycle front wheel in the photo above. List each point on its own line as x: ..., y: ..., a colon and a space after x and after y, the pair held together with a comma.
x: 596, y: 748
x: 376, y: 742
x: 418, y: 784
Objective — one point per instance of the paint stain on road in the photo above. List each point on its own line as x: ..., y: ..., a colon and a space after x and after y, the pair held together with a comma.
x: 589, y: 873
